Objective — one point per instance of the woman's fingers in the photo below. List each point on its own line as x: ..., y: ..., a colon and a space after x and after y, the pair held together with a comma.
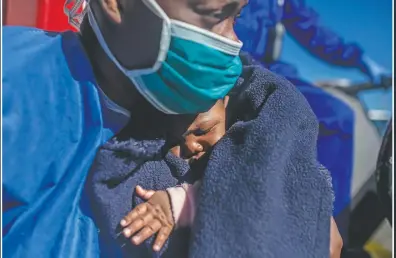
x: 143, y: 193
x: 150, y: 229
x: 162, y: 236
x: 131, y: 216
x: 137, y: 224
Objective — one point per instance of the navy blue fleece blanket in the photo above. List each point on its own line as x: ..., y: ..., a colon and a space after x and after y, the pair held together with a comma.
x: 263, y: 192
x: 119, y: 167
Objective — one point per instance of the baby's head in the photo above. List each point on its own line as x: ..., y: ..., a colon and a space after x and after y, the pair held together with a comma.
x: 205, y: 131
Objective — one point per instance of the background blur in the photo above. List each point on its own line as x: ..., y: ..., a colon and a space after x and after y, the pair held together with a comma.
x: 368, y: 22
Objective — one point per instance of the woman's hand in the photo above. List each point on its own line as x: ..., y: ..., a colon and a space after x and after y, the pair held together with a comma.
x: 335, y: 240
x: 149, y: 218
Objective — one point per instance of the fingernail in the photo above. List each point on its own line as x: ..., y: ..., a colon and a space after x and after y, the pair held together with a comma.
x: 127, y: 232
x: 135, y: 239
x: 156, y: 248
x: 123, y: 222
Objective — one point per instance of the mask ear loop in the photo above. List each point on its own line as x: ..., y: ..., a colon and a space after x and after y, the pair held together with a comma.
x: 75, y: 11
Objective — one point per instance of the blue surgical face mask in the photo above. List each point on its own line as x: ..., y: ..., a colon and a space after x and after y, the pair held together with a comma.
x: 194, y: 67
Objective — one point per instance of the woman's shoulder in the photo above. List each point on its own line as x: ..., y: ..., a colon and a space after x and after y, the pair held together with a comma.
x: 25, y: 47
x: 41, y: 53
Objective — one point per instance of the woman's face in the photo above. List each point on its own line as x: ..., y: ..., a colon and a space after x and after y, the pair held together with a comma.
x: 217, y: 16
x: 206, y: 130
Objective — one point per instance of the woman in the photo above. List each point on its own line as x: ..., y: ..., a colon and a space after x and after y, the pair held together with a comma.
x: 66, y: 94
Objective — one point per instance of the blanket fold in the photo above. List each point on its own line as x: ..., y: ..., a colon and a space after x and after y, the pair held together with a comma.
x: 263, y: 192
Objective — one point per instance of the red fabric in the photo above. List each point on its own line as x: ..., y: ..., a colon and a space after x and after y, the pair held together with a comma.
x: 50, y: 16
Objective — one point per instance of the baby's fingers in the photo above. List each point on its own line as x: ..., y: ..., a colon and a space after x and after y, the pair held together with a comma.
x: 143, y: 193
x: 132, y: 215
x: 150, y: 229
x: 162, y: 236
x: 137, y: 224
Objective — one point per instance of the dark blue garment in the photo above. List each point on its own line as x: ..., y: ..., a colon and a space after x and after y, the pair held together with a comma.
x: 263, y: 192
x: 54, y: 120
x: 335, y: 144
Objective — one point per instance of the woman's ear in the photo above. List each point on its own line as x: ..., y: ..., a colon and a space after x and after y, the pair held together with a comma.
x: 112, y: 9
x: 226, y: 99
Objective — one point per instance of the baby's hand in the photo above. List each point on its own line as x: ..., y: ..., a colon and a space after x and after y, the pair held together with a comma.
x: 148, y: 218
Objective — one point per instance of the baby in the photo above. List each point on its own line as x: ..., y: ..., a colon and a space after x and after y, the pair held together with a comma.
x: 176, y: 206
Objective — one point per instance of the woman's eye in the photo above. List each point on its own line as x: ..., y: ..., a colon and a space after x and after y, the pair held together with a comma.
x: 220, y: 14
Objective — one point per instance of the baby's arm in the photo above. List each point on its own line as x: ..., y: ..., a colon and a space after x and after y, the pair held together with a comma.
x: 160, y: 213
x: 184, y: 202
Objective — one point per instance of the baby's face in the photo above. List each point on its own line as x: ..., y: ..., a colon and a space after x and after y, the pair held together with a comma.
x: 206, y: 130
